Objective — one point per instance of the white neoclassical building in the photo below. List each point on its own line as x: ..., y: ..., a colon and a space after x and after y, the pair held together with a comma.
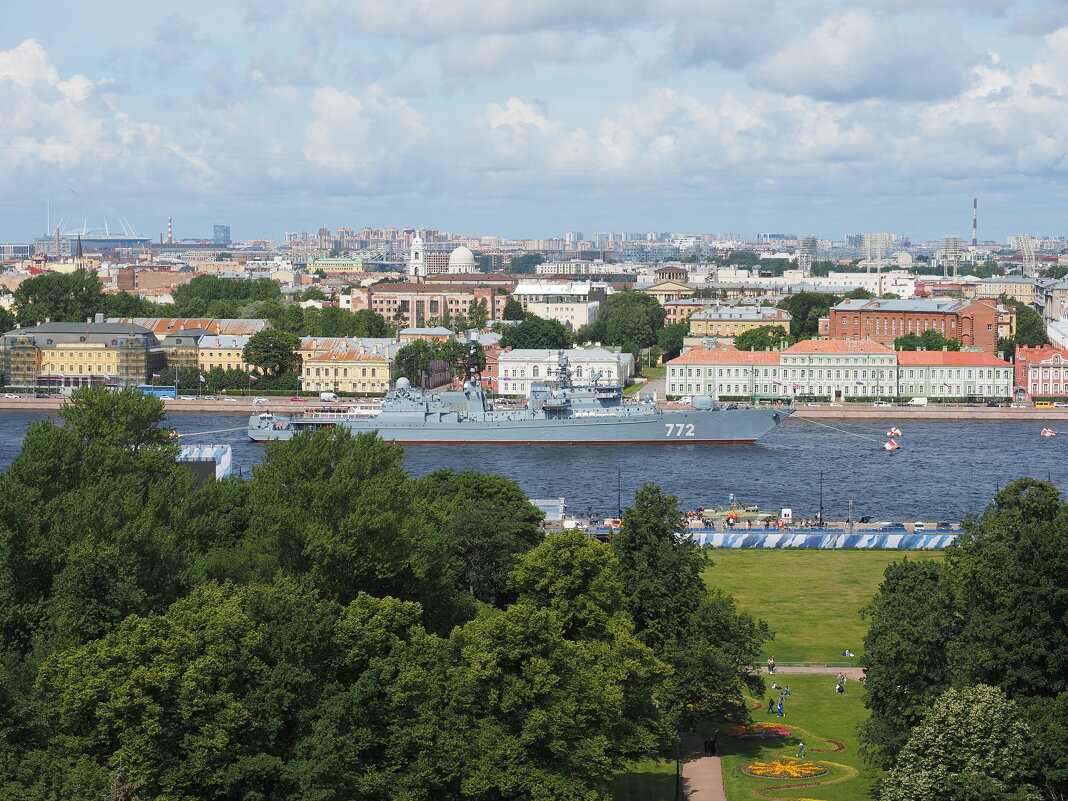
x: 518, y: 369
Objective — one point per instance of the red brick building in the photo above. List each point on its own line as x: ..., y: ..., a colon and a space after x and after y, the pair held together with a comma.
x: 415, y: 304
x: 974, y: 323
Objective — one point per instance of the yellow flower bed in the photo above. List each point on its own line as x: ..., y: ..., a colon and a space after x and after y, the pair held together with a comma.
x: 785, y: 769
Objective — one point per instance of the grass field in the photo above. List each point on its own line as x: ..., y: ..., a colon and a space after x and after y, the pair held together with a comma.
x: 810, y: 599
x: 646, y: 781
x: 816, y: 715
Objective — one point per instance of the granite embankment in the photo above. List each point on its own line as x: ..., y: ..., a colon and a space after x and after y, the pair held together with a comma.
x: 804, y: 412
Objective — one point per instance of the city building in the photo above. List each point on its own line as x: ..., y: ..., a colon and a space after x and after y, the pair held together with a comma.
x: 338, y: 364
x: 573, y: 303
x: 953, y: 374
x: 665, y: 291
x: 220, y: 235
x: 164, y: 326
x: 1041, y: 372
x: 226, y: 352
x: 519, y: 368
x: 722, y: 371
x: 975, y: 323
x: 71, y: 355
x: 1014, y: 287
x: 414, y: 304
x: 726, y: 322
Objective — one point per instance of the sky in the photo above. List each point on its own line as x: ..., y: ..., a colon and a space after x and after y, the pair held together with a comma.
x: 529, y: 118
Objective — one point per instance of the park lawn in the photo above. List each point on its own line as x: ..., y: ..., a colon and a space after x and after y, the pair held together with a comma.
x: 814, y: 713
x: 651, y: 780
x: 811, y: 599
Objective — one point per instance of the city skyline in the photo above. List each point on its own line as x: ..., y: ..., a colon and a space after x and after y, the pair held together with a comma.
x: 661, y: 115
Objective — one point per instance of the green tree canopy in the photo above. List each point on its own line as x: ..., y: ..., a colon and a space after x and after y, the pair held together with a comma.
x: 513, y: 310
x: 806, y: 308
x: 273, y: 351
x: 670, y: 338
x: 971, y: 746
x: 535, y: 332
x: 626, y: 317
x: 928, y: 340
x: 525, y: 263
x: 61, y: 297
x: 413, y: 361
x: 313, y: 293
x: 1030, y: 327
x: 767, y: 337
x: 860, y: 293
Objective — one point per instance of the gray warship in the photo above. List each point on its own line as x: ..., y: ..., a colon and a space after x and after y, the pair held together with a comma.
x: 562, y: 413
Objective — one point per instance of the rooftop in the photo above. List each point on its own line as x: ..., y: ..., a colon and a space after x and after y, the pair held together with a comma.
x: 917, y: 306
x: 949, y: 358
x: 726, y: 355
x: 837, y: 346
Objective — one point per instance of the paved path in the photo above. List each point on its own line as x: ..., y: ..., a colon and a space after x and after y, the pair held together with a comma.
x: 702, y: 779
x: 854, y: 673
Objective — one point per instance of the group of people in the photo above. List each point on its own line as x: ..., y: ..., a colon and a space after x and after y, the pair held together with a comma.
x: 780, y: 708
x: 840, y: 686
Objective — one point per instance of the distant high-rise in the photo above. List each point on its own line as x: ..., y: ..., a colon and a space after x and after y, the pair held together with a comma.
x: 949, y: 253
x: 806, y: 254
x: 221, y: 235
x: 1025, y: 244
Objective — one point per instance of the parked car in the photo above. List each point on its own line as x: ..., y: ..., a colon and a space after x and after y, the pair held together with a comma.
x: 230, y: 400
x: 1017, y: 405
x: 1060, y: 404
x: 299, y: 400
x: 186, y: 397
x: 993, y: 404
x: 944, y: 525
x: 883, y: 403
x: 10, y: 395
x: 918, y: 526
x: 210, y: 397
x: 834, y: 404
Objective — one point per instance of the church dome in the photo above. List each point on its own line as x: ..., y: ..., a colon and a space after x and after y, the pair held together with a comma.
x: 462, y: 260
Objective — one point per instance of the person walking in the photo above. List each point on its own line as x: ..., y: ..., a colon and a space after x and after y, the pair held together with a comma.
x: 801, y: 750
x: 771, y: 705
x: 781, y: 710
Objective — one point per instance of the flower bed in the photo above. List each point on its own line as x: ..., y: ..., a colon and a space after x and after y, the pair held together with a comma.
x: 785, y: 769
x: 757, y: 731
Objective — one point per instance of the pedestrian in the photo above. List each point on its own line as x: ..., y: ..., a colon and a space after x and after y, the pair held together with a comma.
x: 771, y: 706
x: 787, y: 690
x: 771, y: 664
x: 782, y: 711
x: 708, y: 747
x: 801, y: 750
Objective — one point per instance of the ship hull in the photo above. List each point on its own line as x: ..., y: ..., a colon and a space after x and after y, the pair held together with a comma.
x: 712, y: 427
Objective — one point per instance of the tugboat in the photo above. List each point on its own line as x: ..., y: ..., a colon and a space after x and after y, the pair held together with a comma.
x: 563, y: 413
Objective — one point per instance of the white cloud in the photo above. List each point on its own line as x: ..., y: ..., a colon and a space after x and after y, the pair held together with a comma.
x: 855, y: 55
x: 495, y: 54
x: 973, y: 6
x: 172, y: 42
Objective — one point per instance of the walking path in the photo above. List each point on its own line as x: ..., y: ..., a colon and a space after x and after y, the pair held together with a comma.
x: 702, y: 779
x: 854, y: 673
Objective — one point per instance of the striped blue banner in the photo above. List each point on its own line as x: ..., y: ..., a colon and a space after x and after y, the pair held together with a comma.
x: 822, y: 538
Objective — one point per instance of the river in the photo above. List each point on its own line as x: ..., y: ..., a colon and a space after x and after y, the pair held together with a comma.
x: 944, y: 470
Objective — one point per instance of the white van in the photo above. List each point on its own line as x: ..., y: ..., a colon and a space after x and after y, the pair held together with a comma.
x: 917, y: 402
x: 329, y: 397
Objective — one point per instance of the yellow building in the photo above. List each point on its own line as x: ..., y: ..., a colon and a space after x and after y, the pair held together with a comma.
x: 726, y: 322
x: 79, y: 354
x: 335, y: 364
x: 226, y: 352
x: 665, y: 291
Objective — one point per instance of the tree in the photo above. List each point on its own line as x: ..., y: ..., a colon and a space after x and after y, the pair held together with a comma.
x: 654, y: 356
x: 627, y: 317
x: 1048, y: 720
x: 806, y: 308
x: 413, y: 361
x: 62, y: 297
x: 525, y: 263
x: 274, y: 352
x: 478, y: 314
x: 536, y: 332
x: 701, y: 635
x: 1055, y: 272
x: 860, y: 293
x: 670, y: 338
x: 487, y: 523
x: 513, y: 310
x: 313, y: 293
x: 1030, y: 328
x: 928, y: 340
x: 125, y: 419
x: 1008, y: 566
x: 767, y: 337
x: 910, y: 621
x: 971, y: 746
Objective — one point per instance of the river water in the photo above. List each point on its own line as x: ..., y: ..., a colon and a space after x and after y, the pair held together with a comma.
x: 944, y: 470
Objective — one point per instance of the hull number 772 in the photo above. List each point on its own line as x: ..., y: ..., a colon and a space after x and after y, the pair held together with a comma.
x: 679, y: 429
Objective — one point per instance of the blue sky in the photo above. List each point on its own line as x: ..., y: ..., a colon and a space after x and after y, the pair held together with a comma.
x: 536, y: 117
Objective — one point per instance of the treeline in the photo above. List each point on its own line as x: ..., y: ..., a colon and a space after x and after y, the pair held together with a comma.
x: 78, y: 296
x: 332, y: 629
x: 968, y: 660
